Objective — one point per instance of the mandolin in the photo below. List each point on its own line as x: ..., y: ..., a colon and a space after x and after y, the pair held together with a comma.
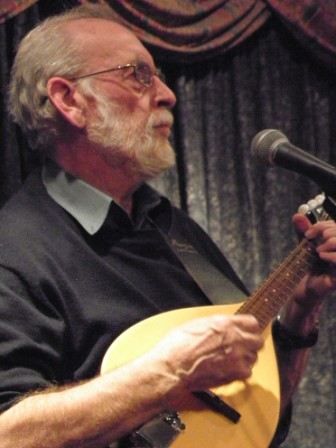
x: 242, y: 414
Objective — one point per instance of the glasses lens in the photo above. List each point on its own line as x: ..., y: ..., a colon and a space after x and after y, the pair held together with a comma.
x: 143, y: 74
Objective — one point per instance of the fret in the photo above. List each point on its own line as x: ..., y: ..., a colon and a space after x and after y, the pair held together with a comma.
x: 274, y: 292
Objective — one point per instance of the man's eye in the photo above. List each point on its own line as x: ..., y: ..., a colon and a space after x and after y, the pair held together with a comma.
x: 129, y: 72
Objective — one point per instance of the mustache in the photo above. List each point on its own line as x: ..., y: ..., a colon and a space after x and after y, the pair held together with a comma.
x: 161, y: 117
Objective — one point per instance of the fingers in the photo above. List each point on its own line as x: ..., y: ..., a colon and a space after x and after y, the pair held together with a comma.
x: 323, y: 229
x: 320, y: 282
x: 301, y: 223
x: 324, y: 232
x: 243, y: 340
x: 212, y: 351
x: 244, y: 343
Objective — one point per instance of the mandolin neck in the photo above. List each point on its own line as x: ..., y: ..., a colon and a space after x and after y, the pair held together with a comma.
x: 273, y: 293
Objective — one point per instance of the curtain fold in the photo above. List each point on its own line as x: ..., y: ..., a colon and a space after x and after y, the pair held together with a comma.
x: 313, y: 22
x: 190, y: 31
x: 10, y: 8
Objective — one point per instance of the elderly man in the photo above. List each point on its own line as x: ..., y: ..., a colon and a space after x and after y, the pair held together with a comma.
x: 85, y: 251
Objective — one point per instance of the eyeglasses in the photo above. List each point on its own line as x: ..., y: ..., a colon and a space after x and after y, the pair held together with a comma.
x: 142, y: 73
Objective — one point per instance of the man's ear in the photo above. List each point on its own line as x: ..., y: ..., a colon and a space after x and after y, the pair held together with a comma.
x: 67, y: 100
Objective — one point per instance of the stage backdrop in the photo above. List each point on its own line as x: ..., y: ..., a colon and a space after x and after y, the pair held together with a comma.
x: 237, y: 67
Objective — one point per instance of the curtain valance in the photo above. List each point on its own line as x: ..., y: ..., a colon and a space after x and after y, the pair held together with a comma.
x: 194, y: 30
x: 188, y: 31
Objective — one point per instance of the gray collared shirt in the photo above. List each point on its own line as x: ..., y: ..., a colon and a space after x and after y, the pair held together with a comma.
x: 85, y: 203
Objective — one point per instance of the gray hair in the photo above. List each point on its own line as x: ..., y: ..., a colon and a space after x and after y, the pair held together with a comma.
x: 48, y: 50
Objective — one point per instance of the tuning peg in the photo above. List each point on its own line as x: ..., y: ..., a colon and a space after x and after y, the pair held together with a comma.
x: 313, y: 208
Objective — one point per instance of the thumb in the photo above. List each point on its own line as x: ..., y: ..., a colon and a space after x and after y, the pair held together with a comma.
x: 301, y: 223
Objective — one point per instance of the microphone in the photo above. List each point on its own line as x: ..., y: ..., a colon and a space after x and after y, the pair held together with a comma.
x: 272, y: 147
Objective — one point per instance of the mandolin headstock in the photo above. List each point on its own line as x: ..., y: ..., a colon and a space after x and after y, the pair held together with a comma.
x: 313, y: 209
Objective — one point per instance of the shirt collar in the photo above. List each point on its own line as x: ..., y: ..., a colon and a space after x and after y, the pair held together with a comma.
x: 85, y: 203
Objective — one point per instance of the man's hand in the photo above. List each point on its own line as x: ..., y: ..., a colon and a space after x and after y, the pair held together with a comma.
x: 208, y: 352
x: 317, y: 285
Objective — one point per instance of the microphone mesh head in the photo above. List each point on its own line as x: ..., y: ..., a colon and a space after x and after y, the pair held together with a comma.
x: 265, y: 143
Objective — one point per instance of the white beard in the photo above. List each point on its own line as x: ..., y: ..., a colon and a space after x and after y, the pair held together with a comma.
x: 126, y: 143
